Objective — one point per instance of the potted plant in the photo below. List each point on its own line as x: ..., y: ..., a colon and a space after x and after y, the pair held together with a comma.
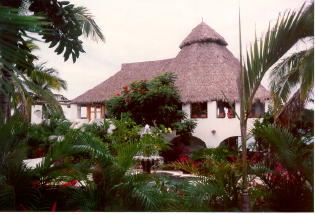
x: 203, y: 115
x: 222, y: 115
x: 194, y: 115
x: 251, y: 115
x: 230, y: 113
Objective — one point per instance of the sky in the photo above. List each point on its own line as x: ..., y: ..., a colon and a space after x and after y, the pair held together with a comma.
x: 144, y: 30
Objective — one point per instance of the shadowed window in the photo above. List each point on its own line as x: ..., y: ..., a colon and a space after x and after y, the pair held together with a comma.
x: 198, y: 110
x: 224, y: 109
x: 257, y: 110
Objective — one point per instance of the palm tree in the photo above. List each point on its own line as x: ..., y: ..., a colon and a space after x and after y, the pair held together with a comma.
x: 295, y: 71
x: 47, y: 79
x: 61, y: 23
x: 261, y: 56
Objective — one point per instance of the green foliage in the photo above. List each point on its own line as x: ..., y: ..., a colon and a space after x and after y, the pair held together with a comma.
x: 154, y: 142
x: 295, y: 70
x: 58, y: 23
x: 287, y: 170
x: 185, y: 127
x: 98, y: 129
x: 68, y: 23
x: 114, y: 186
x: 218, y: 154
x: 265, y: 52
x: 216, y: 188
x: 156, y: 102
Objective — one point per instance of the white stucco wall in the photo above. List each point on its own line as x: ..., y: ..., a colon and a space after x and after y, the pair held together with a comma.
x: 222, y: 127
x: 36, y: 114
x: 71, y: 113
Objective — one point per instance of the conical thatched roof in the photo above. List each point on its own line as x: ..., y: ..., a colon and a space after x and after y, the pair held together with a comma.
x: 204, y: 68
x: 203, y: 33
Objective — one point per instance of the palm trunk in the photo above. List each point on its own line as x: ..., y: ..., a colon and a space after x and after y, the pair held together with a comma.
x: 5, y: 72
x: 245, y: 196
x: 5, y: 107
x: 243, y: 126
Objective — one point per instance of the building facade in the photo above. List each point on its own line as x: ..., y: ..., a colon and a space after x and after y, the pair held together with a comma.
x: 207, y: 80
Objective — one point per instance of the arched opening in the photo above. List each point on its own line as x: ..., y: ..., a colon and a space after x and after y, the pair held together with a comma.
x: 232, y: 143
x: 182, y: 147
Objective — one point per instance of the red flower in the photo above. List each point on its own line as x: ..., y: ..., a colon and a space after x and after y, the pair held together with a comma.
x: 183, y: 159
x: 230, y: 113
x: 54, y: 207
x: 196, y: 163
x: 117, y: 94
x: 35, y: 183
x: 221, y: 115
x: 127, y: 99
x: 126, y: 90
x: 70, y: 183
x: 278, y: 167
x: 143, y: 91
x: 135, y: 89
x: 22, y: 208
x: 232, y: 158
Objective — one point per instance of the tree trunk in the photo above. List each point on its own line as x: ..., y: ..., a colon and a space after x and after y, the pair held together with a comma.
x: 245, y: 196
x: 243, y: 124
x: 5, y: 107
x: 5, y: 72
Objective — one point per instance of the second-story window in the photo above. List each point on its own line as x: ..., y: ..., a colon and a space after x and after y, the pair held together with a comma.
x: 224, y: 110
x: 199, y: 110
x: 257, y: 110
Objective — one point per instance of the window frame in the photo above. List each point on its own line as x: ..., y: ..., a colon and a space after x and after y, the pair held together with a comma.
x: 229, y: 113
x: 252, y: 112
x: 202, y: 113
x: 86, y: 115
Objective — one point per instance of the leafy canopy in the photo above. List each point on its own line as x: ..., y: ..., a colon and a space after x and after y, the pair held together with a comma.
x: 152, y: 102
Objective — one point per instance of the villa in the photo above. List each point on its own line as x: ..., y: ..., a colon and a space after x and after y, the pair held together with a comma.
x: 207, y: 79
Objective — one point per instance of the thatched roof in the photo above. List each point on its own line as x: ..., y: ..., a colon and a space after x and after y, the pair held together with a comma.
x: 204, y: 68
x: 290, y: 111
x: 203, y: 33
x: 129, y: 72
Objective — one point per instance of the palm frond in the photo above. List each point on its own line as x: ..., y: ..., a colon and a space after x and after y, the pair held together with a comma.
x: 265, y: 52
x: 294, y: 71
x: 47, y: 78
x: 88, y: 25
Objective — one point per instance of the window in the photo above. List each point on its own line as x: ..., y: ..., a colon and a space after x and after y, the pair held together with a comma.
x: 224, y: 109
x: 199, y: 110
x: 96, y: 112
x: 83, y: 112
x: 93, y: 111
x: 257, y: 110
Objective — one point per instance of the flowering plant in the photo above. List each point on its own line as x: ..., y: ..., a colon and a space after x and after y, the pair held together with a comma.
x: 230, y: 113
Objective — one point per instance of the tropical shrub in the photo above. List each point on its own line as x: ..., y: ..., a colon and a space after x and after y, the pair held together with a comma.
x: 155, y: 102
x: 287, y: 165
x: 41, y: 136
x: 216, y: 187
x: 99, y: 129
